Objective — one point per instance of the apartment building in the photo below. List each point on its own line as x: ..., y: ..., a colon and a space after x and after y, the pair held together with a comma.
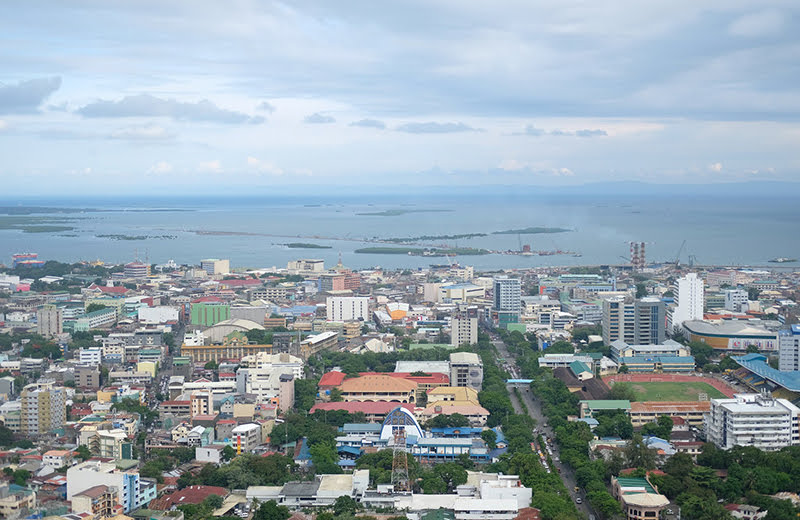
x: 43, y: 408
x: 464, y: 326
x: 49, y: 321
x: 639, y: 322
x: 757, y: 420
x: 101, y: 501
x: 347, y: 308
x: 246, y: 437
x: 789, y: 349
x: 133, y: 492
x: 466, y: 369
x: 507, y: 294
x: 689, y: 293
x: 318, y: 343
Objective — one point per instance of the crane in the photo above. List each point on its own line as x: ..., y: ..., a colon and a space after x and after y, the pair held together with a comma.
x: 678, y: 256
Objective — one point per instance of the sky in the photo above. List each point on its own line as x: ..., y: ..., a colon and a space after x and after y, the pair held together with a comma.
x: 144, y: 96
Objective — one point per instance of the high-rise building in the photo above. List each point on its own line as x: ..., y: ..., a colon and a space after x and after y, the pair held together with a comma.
x: 689, y: 292
x: 507, y: 294
x: 133, y: 492
x: 49, y: 321
x: 214, y: 266
x: 347, y: 308
x: 735, y: 299
x: 639, y: 322
x: 757, y: 420
x: 789, y: 349
x: 464, y: 326
x: 466, y: 369
x: 136, y: 270
x: 43, y: 408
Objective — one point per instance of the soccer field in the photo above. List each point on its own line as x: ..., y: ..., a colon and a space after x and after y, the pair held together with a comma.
x: 670, y: 391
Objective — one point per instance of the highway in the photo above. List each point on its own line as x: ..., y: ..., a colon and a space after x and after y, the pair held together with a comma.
x: 535, y: 411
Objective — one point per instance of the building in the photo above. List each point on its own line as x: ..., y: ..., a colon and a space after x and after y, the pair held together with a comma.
x: 91, y: 356
x: 209, y: 313
x: 464, y: 326
x: 158, y: 314
x: 101, y: 501
x: 49, y: 321
x: 378, y: 387
x: 735, y: 299
x: 114, y: 444
x: 246, y: 437
x: 693, y: 413
x: 757, y: 420
x: 466, y: 369
x: 133, y: 492
x: 460, y: 293
x: 689, y: 291
x: 347, y: 308
x: 16, y: 500
x: 508, y: 294
x: 318, y: 343
x: 639, y: 322
x: 215, y: 266
x: 87, y: 377
x: 202, y: 403
x: 789, y: 349
x: 96, y: 319
x: 233, y: 347
x: 639, y: 498
x: 43, y: 408
x: 732, y: 335
x: 136, y: 270
x: 670, y: 356
x: 57, y: 458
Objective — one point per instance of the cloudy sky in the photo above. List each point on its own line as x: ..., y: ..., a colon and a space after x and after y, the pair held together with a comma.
x: 131, y: 96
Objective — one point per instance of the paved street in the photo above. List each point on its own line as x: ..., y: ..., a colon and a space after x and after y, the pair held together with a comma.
x: 535, y: 411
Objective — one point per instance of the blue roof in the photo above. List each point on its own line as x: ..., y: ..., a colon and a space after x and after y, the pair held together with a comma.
x: 362, y: 427
x: 591, y: 421
x: 757, y: 364
x: 347, y: 463
x: 500, y: 436
x: 447, y: 432
x: 352, y: 450
x: 659, y: 359
x: 305, y: 453
x: 521, y: 381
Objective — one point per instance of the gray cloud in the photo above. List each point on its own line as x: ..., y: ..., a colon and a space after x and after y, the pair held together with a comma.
x: 266, y: 106
x: 317, y: 118
x: 540, y: 132
x: 146, y: 105
x: 26, y: 96
x: 369, y: 123
x: 435, y: 128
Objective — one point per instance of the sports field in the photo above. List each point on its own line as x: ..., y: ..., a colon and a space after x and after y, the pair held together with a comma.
x: 672, y: 391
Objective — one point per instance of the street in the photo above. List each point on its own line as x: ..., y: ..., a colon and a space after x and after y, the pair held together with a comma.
x: 535, y: 411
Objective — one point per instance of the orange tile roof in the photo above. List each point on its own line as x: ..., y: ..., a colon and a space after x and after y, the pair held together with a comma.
x: 377, y: 382
x: 670, y: 406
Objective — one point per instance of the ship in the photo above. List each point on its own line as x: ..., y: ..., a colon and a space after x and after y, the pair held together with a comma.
x: 783, y: 260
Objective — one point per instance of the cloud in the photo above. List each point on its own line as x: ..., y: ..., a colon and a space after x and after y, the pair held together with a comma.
x: 266, y: 106
x: 146, y: 105
x: 160, y: 168
x: 263, y: 167
x: 764, y: 23
x: 435, y: 128
x: 143, y: 133
x: 540, y: 132
x: 317, y: 119
x: 26, y: 96
x: 3, y: 125
x: 513, y: 165
x: 369, y: 123
x: 214, y: 166
x: 715, y: 167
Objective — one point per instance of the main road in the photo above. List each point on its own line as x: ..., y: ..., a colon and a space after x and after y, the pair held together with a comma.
x: 535, y: 411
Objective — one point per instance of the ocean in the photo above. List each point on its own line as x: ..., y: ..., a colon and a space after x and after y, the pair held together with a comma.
x: 252, y: 231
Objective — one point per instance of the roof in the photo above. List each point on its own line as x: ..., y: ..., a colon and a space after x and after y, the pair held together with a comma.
x: 607, y: 404
x: 757, y: 364
x: 371, y: 383
x: 192, y: 495
x: 369, y: 408
x: 728, y: 328
x: 332, y: 378
x: 459, y: 409
x: 670, y: 406
x: 465, y: 357
x: 578, y: 367
x: 94, y: 492
x: 238, y: 322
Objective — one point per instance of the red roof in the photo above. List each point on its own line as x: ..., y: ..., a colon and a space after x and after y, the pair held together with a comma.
x: 226, y: 421
x: 189, y: 495
x: 433, y: 378
x: 332, y: 378
x: 371, y: 408
x: 208, y: 299
x: 109, y: 290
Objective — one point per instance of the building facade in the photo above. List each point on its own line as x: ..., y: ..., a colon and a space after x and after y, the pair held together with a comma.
x: 757, y: 420
x: 689, y: 300
x: 466, y: 369
x: 639, y: 322
x: 464, y: 326
x: 508, y: 294
x: 49, y: 321
x: 43, y: 408
x: 347, y: 308
x: 789, y: 349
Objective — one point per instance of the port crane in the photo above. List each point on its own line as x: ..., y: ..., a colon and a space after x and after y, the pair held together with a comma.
x: 678, y: 256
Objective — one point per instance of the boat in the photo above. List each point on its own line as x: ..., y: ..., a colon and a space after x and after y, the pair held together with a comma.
x: 783, y: 260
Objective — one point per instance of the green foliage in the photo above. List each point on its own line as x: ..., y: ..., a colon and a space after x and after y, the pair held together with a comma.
x: 21, y: 476
x: 305, y: 393
x: 561, y: 347
x: 228, y: 453
x: 345, y: 504
x: 662, y: 428
x: 613, y: 423
x: 324, y: 457
x: 639, y: 455
x: 455, y: 420
x: 213, y: 501
x: 259, y: 337
x: 95, y: 307
x: 380, y: 467
x: 336, y: 395
x: 641, y: 290
x: 211, y: 365
x: 701, y: 352
x: 490, y: 438
x: 38, y: 347
x: 6, y: 436
x: 243, y: 471
x: 753, y: 294
x: 147, y: 415
x: 622, y: 391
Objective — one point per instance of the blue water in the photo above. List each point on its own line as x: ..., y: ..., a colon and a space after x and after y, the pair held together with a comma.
x: 717, y: 230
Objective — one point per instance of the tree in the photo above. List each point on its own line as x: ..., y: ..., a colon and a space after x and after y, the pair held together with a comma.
x: 211, y: 365
x: 623, y: 369
x: 94, y: 307
x: 451, y: 473
x: 639, y: 455
x: 6, y: 436
x: 213, y: 501
x: 753, y: 294
x: 490, y: 438
x: 228, y: 453
x: 679, y: 465
x: 270, y: 510
x: 344, y: 504
x: 83, y: 452
x: 324, y: 458
x: 641, y: 290
x: 336, y: 395
x: 622, y: 391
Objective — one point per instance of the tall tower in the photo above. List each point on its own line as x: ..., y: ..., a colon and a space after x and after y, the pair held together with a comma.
x: 400, y: 480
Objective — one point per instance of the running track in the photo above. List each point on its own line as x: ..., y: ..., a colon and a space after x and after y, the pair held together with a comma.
x: 676, y: 378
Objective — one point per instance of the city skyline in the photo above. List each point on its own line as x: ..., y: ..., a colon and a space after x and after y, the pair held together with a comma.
x: 143, y: 95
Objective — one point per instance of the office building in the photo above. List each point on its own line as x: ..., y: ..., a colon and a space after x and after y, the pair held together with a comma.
x: 347, y: 308
x: 215, y: 266
x: 133, y: 492
x: 311, y: 265
x: 466, y: 369
x: 136, y: 270
x: 209, y: 313
x: 464, y: 326
x: 789, y: 349
x: 757, y: 420
x: 507, y: 294
x: 87, y: 377
x: 96, y: 319
x: 735, y: 299
x: 318, y: 343
x: 91, y: 356
x: 689, y: 292
x: 639, y: 322
x: 49, y: 321
x: 43, y: 408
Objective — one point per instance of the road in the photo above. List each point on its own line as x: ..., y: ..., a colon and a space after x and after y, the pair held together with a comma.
x: 535, y: 411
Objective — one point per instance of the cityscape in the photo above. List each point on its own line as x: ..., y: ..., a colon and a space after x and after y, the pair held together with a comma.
x: 422, y: 260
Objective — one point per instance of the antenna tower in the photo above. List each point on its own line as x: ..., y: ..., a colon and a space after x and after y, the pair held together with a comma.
x: 400, y: 480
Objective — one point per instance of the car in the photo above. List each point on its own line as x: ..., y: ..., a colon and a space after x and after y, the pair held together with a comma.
x: 669, y: 511
x: 579, y: 500
x: 577, y: 489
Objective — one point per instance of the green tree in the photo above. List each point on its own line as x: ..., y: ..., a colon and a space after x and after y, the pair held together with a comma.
x: 451, y: 473
x: 639, y: 455
x: 324, y: 458
x: 490, y: 438
x: 6, y: 436
x: 336, y: 395
x: 622, y: 391
x: 344, y: 505
x: 271, y: 511
x: 211, y: 365
x: 641, y: 290
x: 213, y: 501
x: 83, y: 452
x: 92, y: 307
x: 753, y: 294
x: 228, y: 453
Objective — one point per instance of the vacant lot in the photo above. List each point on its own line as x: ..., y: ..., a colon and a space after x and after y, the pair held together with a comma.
x: 672, y: 391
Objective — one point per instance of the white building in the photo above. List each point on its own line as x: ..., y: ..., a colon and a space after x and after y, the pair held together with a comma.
x: 464, y: 326
x: 92, y: 356
x: 156, y: 315
x: 132, y: 492
x: 789, y: 349
x: 49, y: 321
x: 214, y: 266
x: 466, y: 369
x: 689, y: 294
x: 246, y: 436
x: 507, y: 294
x: 347, y: 308
x: 754, y: 420
x: 735, y: 299
x: 269, y: 362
